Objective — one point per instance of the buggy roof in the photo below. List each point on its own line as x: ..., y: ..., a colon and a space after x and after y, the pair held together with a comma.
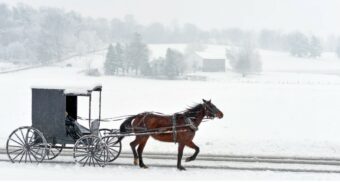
x: 73, y: 90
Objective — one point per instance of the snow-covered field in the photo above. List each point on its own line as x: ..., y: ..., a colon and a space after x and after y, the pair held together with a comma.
x: 292, y: 108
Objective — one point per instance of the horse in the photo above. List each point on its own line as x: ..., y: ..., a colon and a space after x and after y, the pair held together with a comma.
x: 171, y: 128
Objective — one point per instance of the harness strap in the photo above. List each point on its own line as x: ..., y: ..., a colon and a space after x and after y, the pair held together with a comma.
x: 174, y: 128
x: 191, y: 124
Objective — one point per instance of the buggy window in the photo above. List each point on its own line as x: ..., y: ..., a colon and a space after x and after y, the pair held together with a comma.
x: 71, y: 106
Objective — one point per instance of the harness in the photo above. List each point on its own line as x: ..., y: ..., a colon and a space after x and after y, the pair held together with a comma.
x: 210, y: 111
x: 174, y: 128
x: 187, y: 121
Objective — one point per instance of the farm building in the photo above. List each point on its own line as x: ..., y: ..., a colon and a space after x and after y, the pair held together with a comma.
x: 211, y: 61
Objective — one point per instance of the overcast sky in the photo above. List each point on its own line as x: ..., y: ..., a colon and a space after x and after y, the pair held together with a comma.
x: 310, y: 16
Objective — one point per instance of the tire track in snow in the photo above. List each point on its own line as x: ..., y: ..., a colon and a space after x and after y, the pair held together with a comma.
x: 219, y: 158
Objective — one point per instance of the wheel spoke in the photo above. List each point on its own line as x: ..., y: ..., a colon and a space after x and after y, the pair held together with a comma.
x: 29, y: 156
x: 14, y: 146
x: 93, y: 162
x: 36, y: 150
x: 98, y: 163
x: 37, y: 153
x: 22, y: 156
x: 112, y: 154
x: 83, y: 158
x: 25, y: 156
x: 111, y: 149
x: 89, y: 164
x: 82, y: 142
x: 18, y: 154
x: 22, y: 134
x: 28, y: 131
x: 80, y: 155
x: 86, y: 161
x: 110, y: 140
x: 79, y: 151
x: 51, y: 150
x: 100, y: 154
x: 31, y: 138
x: 14, y: 151
x: 16, y: 142
x: 33, y: 156
x: 22, y: 142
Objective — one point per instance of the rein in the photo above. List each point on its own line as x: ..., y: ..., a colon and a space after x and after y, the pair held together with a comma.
x: 113, y: 119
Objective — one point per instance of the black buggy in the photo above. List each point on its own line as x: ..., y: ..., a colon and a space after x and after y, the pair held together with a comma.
x: 55, y: 127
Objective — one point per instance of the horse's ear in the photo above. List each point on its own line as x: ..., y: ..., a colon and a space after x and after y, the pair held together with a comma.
x: 209, y: 101
x: 204, y: 101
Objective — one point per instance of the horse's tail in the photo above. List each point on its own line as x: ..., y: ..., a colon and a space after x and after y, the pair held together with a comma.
x: 125, y: 125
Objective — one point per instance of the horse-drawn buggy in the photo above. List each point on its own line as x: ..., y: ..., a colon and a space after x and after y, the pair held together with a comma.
x: 55, y: 127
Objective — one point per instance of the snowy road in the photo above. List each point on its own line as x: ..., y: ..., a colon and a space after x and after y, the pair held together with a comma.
x: 218, y: 162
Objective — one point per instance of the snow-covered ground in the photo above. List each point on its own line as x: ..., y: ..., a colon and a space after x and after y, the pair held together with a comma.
x: 292, y: 108
x: 122, y: 173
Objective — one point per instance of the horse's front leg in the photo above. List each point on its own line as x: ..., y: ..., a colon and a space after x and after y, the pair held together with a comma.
x: 196, y: 148
x: 179, y: 157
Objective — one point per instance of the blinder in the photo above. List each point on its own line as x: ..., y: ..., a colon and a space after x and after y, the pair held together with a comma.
x: 209, y: 110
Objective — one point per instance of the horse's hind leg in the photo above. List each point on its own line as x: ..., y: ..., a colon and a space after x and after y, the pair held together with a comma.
x: 140, y: 149
x: 133, y: 147
x: 195, y: 147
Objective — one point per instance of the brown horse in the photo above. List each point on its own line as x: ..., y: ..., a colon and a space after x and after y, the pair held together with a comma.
x: 169, y: 128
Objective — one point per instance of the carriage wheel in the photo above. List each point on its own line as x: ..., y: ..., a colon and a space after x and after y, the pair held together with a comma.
x: 90, y: 150
x: 105, y: 132
x: 114, y: 146
x: 26, y: 144
x: 54, y: 151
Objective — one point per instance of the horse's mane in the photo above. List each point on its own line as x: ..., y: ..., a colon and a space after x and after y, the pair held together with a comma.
x: 192, y: 111
x: 189, y: 112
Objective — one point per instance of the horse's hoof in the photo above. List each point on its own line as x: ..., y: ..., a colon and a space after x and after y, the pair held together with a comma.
x: 144, y: 166
x: 189, y: 159
x: 135, y: 162
x: 181, y: 168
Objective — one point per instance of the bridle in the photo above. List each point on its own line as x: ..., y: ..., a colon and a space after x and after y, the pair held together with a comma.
x: 210, y: 111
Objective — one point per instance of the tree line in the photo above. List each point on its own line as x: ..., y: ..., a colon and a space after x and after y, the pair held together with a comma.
x: 45, y: 35
x: 133, y: 58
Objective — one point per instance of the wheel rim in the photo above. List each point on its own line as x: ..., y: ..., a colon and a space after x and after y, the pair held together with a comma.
x: 26, y: 144
x: 54, y: 151
x: 114, y: 147
x: 90, y: 151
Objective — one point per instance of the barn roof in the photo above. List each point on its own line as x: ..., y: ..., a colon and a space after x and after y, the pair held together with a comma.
x: 211, y: 54
x: 76, y: 90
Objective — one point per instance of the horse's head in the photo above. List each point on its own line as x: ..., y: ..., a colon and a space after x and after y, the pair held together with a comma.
x: 211, y: 110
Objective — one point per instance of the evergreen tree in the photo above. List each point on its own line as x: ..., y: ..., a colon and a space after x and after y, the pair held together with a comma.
x: 119, y: 57
x: 109, y: 66
x: 315, y: 48
x: 174, y: 63
x: 298, y: 44
x: 137, y: 53
x: 170, y: 64
x: 146, y: 69
x: 157, y: 66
